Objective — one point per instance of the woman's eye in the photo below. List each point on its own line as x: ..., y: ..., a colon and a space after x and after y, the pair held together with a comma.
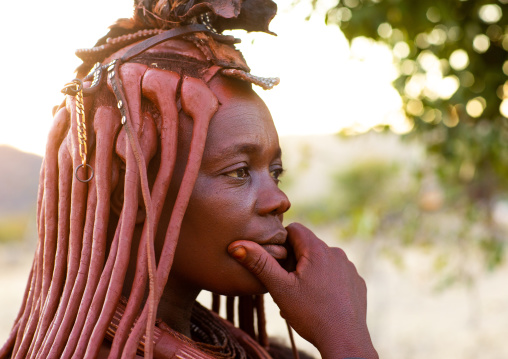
x: 276, y: 173
x: 239, y: 173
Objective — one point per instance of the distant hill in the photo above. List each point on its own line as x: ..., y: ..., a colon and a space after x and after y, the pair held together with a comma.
x: 19, y: 179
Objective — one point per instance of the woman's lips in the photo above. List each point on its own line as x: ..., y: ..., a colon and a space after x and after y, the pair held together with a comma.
x: 277, y: 251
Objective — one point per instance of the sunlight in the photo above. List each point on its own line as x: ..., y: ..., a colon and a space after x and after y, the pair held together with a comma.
x: 324, y: 88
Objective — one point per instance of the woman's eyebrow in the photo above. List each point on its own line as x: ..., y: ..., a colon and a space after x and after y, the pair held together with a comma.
x: 247, y: 148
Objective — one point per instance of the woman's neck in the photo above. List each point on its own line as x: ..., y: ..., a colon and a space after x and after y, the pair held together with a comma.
x: 175, y: 307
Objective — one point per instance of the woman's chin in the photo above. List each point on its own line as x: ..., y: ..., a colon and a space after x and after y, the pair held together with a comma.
x: 239, y: 285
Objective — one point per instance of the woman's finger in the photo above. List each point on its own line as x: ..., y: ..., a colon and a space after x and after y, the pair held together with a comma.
x: 303, y: 240
x: 260, y: 263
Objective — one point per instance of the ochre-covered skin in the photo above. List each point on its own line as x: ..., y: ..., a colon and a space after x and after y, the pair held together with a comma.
x: 235, y: 196
x: 184, y: 197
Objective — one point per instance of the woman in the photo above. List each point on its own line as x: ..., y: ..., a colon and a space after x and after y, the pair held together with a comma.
x: 160, y: 180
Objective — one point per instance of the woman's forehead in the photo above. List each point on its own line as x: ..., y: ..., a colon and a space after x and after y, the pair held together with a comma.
x: 241, y: 126
x: 242, y: 123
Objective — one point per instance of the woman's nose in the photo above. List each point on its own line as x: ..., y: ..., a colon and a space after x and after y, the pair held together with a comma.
x: 271, y: 199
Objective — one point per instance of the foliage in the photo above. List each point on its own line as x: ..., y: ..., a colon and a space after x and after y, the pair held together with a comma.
x: 16, y: 227
x: 392, y: 207
x: 452, y: 61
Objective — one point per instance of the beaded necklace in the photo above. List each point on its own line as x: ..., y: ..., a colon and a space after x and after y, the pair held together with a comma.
x: 212, y: 337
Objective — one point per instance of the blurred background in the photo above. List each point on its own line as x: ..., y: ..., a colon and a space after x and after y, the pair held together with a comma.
x: 393, y: 117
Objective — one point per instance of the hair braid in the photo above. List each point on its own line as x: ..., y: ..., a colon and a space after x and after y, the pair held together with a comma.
x: 60, y: 259
x: 105, y: 135
x: 77, y: 218
x: 84, y: 262
x: 193, y: 93
x: 155, y: 83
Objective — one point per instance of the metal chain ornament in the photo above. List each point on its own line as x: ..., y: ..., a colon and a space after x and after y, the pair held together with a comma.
x: 76, y: 87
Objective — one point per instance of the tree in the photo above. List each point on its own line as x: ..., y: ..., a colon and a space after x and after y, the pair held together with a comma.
x: 452, y: 60
x: 453, y: 66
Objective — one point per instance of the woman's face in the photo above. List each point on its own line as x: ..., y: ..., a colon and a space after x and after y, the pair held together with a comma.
x: 236, y: 196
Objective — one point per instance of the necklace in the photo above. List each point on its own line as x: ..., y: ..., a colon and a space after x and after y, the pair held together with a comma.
x: 212, y: 338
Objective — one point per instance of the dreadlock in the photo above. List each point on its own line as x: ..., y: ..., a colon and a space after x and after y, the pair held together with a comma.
x: 74, y: 290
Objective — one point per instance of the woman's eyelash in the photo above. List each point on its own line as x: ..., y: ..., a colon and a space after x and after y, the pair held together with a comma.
x: 244, y: 172
x: 239, y: 173
x: 277, y: 173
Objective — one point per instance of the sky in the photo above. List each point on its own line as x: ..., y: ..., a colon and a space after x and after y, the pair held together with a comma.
x: 326, y: 84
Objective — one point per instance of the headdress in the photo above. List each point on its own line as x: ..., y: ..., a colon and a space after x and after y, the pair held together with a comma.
x: 111, y: 126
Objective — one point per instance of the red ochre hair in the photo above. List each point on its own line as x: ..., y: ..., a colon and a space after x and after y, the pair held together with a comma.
x: 132, y: 108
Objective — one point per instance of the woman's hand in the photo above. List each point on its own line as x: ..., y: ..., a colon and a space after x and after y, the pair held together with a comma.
x: 324, y: 299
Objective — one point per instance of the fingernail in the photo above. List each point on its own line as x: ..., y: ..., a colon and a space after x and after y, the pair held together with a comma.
x: 239, y: 253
